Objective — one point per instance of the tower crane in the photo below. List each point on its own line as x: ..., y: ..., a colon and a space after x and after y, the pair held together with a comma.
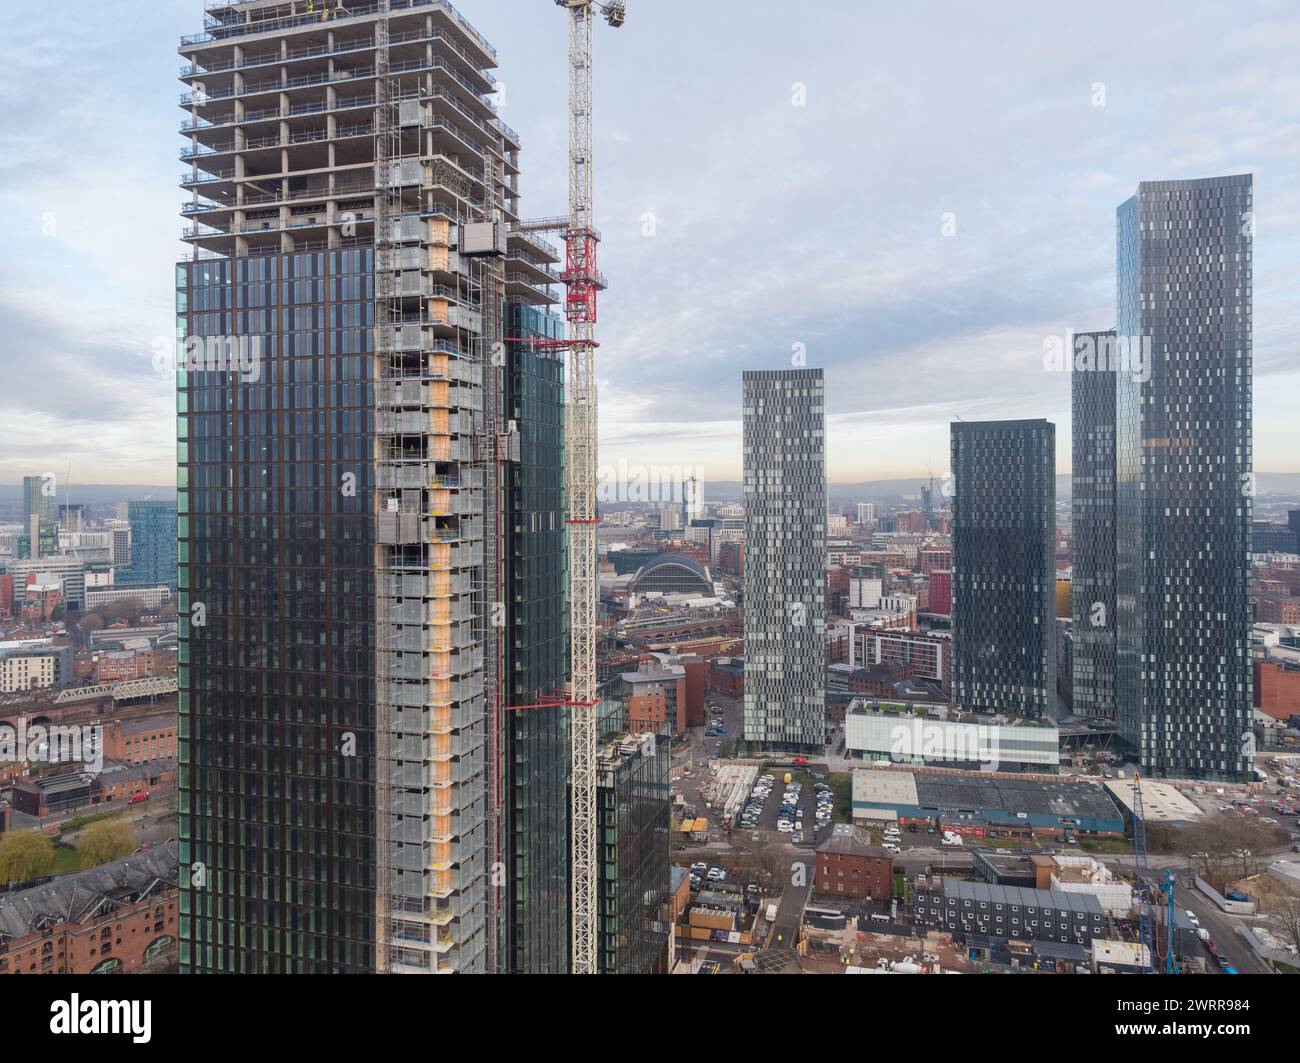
x: 1147, y: 895
x: 582, y: 280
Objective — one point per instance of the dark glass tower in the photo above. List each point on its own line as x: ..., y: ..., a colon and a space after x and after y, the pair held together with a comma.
x: 371, y: 558
x: 276, y: 605
x: 1092, y: 503
x: 153, y: 545
x: 536, y: 746
x: 785, y: 558
x: 1004, y: 566
x: 1184, y: 478
x: 634, y: 805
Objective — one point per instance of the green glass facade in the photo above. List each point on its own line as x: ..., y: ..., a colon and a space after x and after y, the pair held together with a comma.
x: 276, y: 604
x: 634, y: 809
x: 536, y: 747
x: 153, y: 545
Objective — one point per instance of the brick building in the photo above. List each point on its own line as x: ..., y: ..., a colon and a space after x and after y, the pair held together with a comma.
x: 727, y: 677
x: 731, y: 559
x: 848, y: 865
x: 141, y: 741
x: 1276, y: 610
x: 656, y: 698
x: 941, y: 592
x: 934, y: 559
x: 1277, y: 689
x: 114, y: 665
x: 117, y: 918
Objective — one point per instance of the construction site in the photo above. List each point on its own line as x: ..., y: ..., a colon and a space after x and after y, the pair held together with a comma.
x: 347, y: 161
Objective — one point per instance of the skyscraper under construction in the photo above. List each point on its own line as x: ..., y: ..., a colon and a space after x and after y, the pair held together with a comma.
x: 371, y: 555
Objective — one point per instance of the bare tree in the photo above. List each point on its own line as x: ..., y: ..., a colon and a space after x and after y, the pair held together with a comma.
x: 90, y: 622
x: 1286, y: 920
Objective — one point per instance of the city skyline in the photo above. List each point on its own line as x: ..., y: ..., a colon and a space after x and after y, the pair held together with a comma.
x: 651, y: 488
x: 909, y: 325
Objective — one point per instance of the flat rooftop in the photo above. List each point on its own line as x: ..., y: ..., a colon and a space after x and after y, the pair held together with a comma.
x: 884, y: 787
x: 1161, y: 802
x: 1076, y: 800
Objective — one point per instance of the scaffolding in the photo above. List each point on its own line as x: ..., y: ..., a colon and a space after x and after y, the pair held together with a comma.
x: 436, y: 317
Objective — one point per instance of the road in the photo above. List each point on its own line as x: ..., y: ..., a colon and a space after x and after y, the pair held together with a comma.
x: 1223, y: 929
x: 154, y: 820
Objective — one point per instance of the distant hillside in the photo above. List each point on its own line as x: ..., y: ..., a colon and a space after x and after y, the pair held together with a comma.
x: 895, y: 492
x: 95, y: 494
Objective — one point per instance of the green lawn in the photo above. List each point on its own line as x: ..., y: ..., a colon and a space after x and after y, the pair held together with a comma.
x: 66, y: 861
x: 1106, y: 845
x: 76, y: 823
x: 1006, y: 843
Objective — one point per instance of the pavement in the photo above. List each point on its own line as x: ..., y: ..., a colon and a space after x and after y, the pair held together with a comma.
x: 1223, y: 929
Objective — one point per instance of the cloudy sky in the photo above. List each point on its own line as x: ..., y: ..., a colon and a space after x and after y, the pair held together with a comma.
x: 772, y: 178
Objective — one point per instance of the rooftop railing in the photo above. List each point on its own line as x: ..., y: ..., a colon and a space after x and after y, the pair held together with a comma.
x: 192, y: 70
x: 220, y: 30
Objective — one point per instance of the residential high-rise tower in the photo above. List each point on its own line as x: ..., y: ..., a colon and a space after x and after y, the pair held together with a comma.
x: 785, y: 557
x: 1092, y: 501
x: 1184, y: 477
x: 1004, y: 566
x: 371, y: 527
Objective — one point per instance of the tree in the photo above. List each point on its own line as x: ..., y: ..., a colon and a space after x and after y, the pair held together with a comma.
x: 90, y: 622
x: 105, y: 840
x: 1286, y: 920
x: 125, y: 609
x: 1224, y: 849
x: 764, y: 863
x: 25, y: 855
